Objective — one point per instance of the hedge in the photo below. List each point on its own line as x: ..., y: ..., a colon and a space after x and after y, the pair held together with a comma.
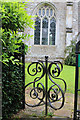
x: 12, y: 88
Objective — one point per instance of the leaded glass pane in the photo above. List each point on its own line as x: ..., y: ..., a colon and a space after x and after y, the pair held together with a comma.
x: 45, y: 31
x: 39, y: 12
x: 54, y: 14
x: 47, y: 12
x: 51, y: 12
x: 52, y: 31
x: 43, y: 12
x: 37, y: 32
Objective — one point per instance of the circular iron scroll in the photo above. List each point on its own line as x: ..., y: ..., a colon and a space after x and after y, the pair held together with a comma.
x: 55, y: 93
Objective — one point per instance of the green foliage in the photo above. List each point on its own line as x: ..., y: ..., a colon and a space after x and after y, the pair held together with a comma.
x: 50, y: 114
x: 70, y: 50
x: 12, y: 89
x: 14, y: 19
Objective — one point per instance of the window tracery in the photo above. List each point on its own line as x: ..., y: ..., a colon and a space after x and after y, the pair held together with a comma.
x: 45, y: 26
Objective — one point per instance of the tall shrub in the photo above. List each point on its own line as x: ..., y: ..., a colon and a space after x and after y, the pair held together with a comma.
x: 70, y: 52
x: 14, y: 19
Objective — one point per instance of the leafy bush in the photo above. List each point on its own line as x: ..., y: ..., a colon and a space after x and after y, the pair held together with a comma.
x: 12, y: 89
x: 14, y: 19
x: 71, y: 57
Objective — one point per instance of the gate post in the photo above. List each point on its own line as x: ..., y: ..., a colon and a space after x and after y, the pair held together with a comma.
x: 76, y: 87
x: 23, y: 69
x: 76, y: 111
x: 46, y: 60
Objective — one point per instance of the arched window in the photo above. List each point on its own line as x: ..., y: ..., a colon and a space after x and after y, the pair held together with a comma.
x: 45, y: 26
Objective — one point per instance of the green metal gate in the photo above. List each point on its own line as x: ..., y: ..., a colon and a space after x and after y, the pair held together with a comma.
x: 77, y: 84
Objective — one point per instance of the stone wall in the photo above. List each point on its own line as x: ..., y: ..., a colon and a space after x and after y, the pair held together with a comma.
x: 75, y: 20
x: 63, y: 35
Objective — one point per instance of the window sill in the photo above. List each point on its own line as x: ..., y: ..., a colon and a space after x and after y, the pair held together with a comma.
x: 44, y: 45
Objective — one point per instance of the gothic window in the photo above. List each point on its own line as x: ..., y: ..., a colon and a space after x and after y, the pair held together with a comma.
x: 45, y: 26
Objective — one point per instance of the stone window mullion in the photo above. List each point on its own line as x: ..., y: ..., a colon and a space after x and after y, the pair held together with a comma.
x: 48, y: 29
x: 41, y: 33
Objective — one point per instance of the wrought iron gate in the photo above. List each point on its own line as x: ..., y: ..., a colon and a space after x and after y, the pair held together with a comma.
x: 51, y: 70
x: 77, y: 84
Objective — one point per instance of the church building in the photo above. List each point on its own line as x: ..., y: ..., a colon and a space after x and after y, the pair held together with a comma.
x: 56, y: 25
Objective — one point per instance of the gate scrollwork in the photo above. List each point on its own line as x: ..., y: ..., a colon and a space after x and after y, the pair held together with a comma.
x: 52, y: 94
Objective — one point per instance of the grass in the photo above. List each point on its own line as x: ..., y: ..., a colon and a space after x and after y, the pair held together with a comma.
x: 68, y: 74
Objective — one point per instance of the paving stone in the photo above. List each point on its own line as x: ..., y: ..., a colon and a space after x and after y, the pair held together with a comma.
x: 65, y: 112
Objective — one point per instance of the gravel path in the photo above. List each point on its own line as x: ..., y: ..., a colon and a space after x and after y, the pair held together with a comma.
x: 65, y: 112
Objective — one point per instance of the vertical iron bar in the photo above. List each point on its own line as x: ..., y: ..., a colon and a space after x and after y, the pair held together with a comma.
x: 76, y: 88
x: 23, y: 61
x: 46, y: 83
